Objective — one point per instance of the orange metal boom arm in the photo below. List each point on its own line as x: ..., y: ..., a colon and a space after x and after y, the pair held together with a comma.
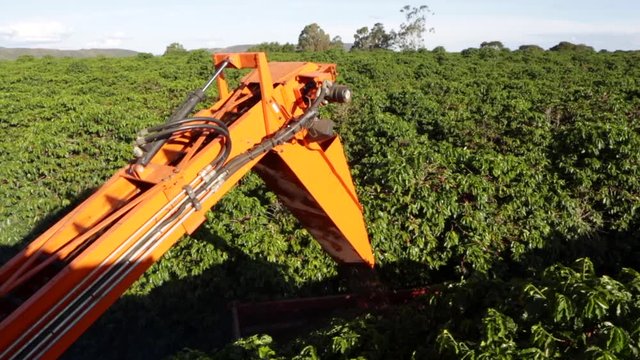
x: 55, y: 288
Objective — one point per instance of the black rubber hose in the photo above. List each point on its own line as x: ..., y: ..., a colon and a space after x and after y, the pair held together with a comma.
x: 186, y: 121
x: 219, y: 131
x: 170, y: 132
x: 182, y: 112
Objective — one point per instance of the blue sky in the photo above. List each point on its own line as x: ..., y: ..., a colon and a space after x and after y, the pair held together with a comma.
x: 151, y: 25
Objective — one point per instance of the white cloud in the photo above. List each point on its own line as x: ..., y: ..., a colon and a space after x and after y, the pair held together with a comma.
x: 34, y: 32
x: 108, y: 42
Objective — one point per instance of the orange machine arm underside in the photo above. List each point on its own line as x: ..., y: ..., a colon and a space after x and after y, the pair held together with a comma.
x: 55, y: 288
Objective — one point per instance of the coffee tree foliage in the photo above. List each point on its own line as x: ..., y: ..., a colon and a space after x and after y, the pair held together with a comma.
x: 506, y: 180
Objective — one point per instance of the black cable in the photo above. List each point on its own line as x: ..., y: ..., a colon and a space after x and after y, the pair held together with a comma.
x: 169, y: 133
x: 185, y: 121
x: 182, y: 112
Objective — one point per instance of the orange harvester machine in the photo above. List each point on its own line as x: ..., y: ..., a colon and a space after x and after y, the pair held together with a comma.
x: 55, y: 288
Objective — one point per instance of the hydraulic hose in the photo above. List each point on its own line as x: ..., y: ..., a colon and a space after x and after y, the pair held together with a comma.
x: 166, y: 131
x: 170, y: 132
x: 186, y: 121
x: 182, y: 112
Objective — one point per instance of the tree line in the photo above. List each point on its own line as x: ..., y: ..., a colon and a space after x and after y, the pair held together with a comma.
x: 408, y: 37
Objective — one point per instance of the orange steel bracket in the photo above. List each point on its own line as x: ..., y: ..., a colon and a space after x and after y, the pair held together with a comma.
x: 254, y: 61
x: 56, y: 287
x: 315, y: 184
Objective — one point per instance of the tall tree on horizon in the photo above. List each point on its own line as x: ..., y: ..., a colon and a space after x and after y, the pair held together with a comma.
x: 377, y: 38
x: 411, y: 33
x: 313, y: 38
x: 409, y: 37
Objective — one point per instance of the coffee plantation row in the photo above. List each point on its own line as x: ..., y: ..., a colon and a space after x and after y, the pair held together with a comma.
x: 506, y: 180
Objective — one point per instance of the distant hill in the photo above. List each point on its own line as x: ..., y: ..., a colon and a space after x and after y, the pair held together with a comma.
x: 234, y: 48
x: 14, y: 53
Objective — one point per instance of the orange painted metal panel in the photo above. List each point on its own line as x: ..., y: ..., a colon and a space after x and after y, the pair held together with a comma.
x: 315, y: 190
